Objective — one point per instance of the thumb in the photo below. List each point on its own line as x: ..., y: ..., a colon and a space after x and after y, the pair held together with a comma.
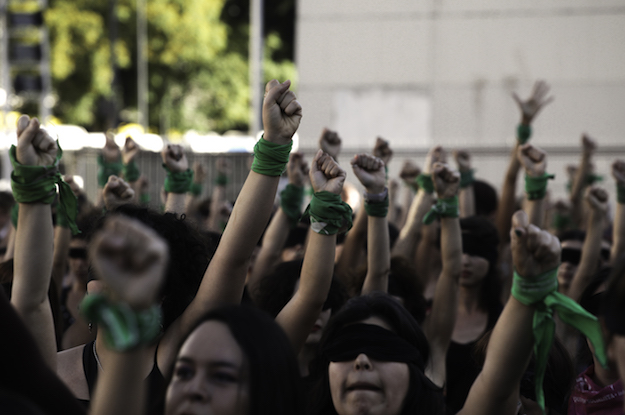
x: 28, y: 129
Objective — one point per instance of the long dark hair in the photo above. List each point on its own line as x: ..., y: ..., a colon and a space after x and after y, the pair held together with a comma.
x: 422, y: 397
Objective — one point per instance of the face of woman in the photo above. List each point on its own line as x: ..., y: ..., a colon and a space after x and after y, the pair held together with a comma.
x: 211, y: 376
x: 474, y: 269
x: 367, y: 386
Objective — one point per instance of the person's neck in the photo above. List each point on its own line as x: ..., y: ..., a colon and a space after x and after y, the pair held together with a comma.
x: 469, y: 299
x: 305, y: 356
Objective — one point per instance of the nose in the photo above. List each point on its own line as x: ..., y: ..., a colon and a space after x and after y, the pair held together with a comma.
x: 466, y: 259
x: 362, y: 362
x: 197, y: 390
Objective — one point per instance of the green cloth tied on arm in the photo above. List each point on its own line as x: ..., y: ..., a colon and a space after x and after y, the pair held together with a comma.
x: 620, y: 193
x: 377, y: 209
x: 536, y: 187
x: 466, y: 178
x: 130, y: 172
x: 328, y: 214
x: 425, y: 182
x: 593, y: 178
x: 123, y: 327
x: 178, y: 182
x: 541, y: 292
x: 144, y: 198
x: 523, y: 133
x: 195, y: 189
x: 106, y: 169
x: 291, y: 199
x: 561, y: 222
x: 270, y: 159
x: 37, y: 184
x: 222, y: 179
x: 443, y: 208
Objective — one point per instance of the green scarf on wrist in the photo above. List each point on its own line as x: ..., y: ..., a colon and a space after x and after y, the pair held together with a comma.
x: 107, y: 169
x: 270, y: 159
x: 377, y: 209
x: 130, y: 172
x: 328, y: 214
x: 425, y: 182
x: 536, y: 187
x: 443, y: 208
x: 523, y: 133
x: 291, y: 199
x: 178, y: 182
x: 466, y: 178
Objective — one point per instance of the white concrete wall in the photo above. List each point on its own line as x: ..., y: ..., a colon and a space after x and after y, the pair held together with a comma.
x: 441, y: 72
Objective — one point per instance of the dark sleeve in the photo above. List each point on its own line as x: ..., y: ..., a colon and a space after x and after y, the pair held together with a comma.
x: 24, y: 370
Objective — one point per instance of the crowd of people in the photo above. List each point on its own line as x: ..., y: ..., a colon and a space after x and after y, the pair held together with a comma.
x: 452, y: 300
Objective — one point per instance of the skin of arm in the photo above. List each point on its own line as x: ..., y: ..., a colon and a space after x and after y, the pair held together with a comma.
x: 218, y: 197
x: 496, y: 389
x: 176, y: 161
x: 224, y: 278
x: 10, y: 253
x: 534, y: 161
x: 34, y: 245
x: 439, y: 325
x: 62, y: 237
x: 466, y: 197
x: 198, y: 179
x: 352, y: 250
x: 299, y: 315
x: 579, y: 182
x: 618, y: 239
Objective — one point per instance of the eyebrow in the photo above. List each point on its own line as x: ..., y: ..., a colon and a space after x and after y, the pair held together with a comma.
x: 212, y: 363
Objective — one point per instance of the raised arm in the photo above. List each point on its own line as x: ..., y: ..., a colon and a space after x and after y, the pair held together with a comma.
x: 534, y: 161
x: 618, y: 239
x: 370, y: 172
x: 178, y: 180
x: 466, y: 198
x: 327, y: 218
x: 109, y: 164
x: 439, y: 325
x: 117, y: 192
x: 218, y: 196
x: 225, y: 276
x: 195, y: 191
x: 130, y: 171
x: 330, y: 143
x: 589, y: 146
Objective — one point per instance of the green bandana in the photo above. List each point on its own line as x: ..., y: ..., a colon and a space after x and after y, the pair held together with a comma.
x: 196, y: 189
x: 536, y: 187
x: 593, y: 178
x: 425, y: 182
x: 222, y: 179
x: 144, y: 198
x: 107, y: 169
x: 542, y: 293
x: 443, y: 208
x: 179, y: 182
x: 466, y: 178
x: 377, y: 209
x: 328, y: 214
x: 291, y: 199
x: 130, y: 172
x: 523, y: 133
x: 123, y: 327
x: 620, y: 193
x: 561, y: 222
x: 270, y: 159
x: 37, y: 184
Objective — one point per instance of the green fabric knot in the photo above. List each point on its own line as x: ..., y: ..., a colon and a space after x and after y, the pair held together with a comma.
x: 466, y: 178
x: 270, y: 158
x: 123, y: 327
x: 620, y: 193
x: 291, y: 199
x: 195, y: 189
x: 178, y: 182
x: 130, y: 172
x: 425, y: 182
x: 107, y: 169
x: 523, y: 133
x: 328, y: 214
x: 377, y: 209
x: 536, y: 187
x: 37, y: 184
x: 443, y: 208
x: 222, y: 179
x: 542, y: 293
x: 593, y: 178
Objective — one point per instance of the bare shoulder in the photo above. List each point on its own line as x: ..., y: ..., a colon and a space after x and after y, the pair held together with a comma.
x: 69, y: 369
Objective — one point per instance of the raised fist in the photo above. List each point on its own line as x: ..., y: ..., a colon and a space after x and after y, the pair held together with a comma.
x: 129, y: 151
x: 117, y: 192
x: 618, y: 171
x: 281, y: 112
x: 174, y: 158
x: 536, y: 102
x: 330, y: 143
x: 534, y: 251
x: 597, y: 198
x: 326, y: 175
x: 463, y: 160
x: 35, y: 147
x: 370, y: 172
x: 409, y: 172
x: 297, y: 169
x: 446, y: 180
x: 589, y: 144
x: 199, y: 173
x: 131, y: 259
x: 110, y: 151
x: 435, y: 155
x: 382, y: 150
x: 533, y: 159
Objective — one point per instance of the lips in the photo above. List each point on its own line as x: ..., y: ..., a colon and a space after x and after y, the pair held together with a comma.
x: 363, y: 386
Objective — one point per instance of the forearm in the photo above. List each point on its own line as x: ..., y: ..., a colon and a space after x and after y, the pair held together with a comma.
x: 591, y: 251
x: 353, y: 246
x: 217, y: 198
x: 507, y: 201
x: 408, y: 240
x: 62, y: 237
x: 176, y: 203
x: 618, y: 239
x: 577, y: 189
x: 378, y: 255
x: 466, y: 199
x: 536, y: 211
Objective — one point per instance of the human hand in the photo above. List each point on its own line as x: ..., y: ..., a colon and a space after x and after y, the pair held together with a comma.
x: 533, y: 159
x: 131, y: 259
x: 409, y: 172
x: 463, y: 160
x: 446, y: 180
x: 129, y: 151
x: 143, y: 184
x: 435, y: 155
x: 536, y: 102
x: 597, y: 199
x: 618, y: 172
x: 174, y: 158
x: 382, y: 150
x: 330, y: 143
x: 589, y: 145
x: 281, y: 112
x: 534, y: 251
x: 35, y: 147
x: 326, y: 175
x: 199, y: 173
x: 117, y: 192
x: 110, y: 151
x: 297, y: 169
x: 370, y: 172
